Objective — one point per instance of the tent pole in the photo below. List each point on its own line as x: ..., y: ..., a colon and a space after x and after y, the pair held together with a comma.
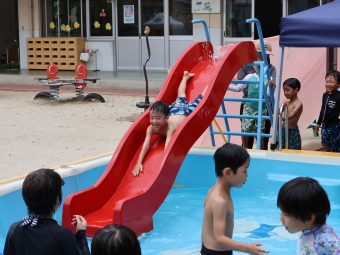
x: 274, y: 132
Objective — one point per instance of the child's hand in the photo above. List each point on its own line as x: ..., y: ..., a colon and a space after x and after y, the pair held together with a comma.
x: 255, y: 249
x: 79, y: 222
x: 138, y: 168
x: 317, y: 128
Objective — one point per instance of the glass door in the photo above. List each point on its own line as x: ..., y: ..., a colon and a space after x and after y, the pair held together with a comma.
x: 235, y: 27
x: 128, y: 34
x: 132, y: 17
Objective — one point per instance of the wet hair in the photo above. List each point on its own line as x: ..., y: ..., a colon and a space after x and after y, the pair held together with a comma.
x: 230, y: 155
x: 335, y: 74
x: 41, y: 191
x: 292, y: 83
x: 160, y: 107
x: 302, y: 197
x: 115, y: 239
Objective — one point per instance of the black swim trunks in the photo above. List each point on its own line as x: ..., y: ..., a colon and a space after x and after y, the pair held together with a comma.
x: 205, y: 251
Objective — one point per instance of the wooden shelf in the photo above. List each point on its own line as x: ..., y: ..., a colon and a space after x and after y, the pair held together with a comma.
x: 62, y: 51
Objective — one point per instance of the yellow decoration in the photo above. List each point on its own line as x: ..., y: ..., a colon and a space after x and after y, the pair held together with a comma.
x: 68, y: 28
x: 108, y: 26
x: 76, y: 25
x: 52, y: 25
x: 63, y: 27
x: 96, y: 24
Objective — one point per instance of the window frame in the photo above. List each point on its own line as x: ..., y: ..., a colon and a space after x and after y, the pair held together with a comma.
x: 88, y: 25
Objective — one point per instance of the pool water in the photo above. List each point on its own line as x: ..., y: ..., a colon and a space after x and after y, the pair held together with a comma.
x: 177, y: 223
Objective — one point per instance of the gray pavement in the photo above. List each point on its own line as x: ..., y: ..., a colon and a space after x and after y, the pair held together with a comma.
x: 115, y: 82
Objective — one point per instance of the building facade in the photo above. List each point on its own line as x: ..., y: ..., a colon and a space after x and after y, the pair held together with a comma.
x: 115, y: 27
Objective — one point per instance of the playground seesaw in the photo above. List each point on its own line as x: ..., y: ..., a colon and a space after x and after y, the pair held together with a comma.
x: 79, y: 82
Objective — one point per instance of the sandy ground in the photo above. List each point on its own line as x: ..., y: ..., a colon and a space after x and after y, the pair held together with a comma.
x: 39, y: 133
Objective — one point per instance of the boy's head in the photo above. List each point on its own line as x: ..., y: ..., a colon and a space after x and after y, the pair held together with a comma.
x: 159, y: 112
x: 115, y: 239
x: 232, y: 159
x: 332, y: 81
x: 291, y: 87
x: 41, y: 192
x: 303, y: 202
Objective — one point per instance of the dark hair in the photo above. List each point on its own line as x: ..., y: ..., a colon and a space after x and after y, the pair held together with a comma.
x: 302, y: 197
x: 292, y: 83
x: 41, y: 191
x: 115, y: 239
x: 335, y: 74
x: 160, y: 107
x: 230, y: 155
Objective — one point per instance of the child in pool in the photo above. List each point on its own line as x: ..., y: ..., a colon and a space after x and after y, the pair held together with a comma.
x: 304, y: 207
x: 231, y: 164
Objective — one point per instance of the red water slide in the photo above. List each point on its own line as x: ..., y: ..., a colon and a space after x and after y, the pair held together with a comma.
x: 119, y: 197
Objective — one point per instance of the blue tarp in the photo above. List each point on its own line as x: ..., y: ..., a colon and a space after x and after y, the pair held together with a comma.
x: 316, y: 27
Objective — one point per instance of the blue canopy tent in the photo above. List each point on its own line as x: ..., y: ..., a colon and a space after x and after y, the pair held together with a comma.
x: 316, y: 27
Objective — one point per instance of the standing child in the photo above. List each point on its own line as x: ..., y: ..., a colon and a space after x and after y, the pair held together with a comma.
x: 164, y: 119
x: 231, y: 164
x: 304, y: 207
x: 251, y: 108
x: 329, y: 113
x: 291, y: 88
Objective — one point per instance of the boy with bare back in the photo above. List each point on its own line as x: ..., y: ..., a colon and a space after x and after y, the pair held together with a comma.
x: 291, y: 88
x: 231, y: 164
x: 164, y: 119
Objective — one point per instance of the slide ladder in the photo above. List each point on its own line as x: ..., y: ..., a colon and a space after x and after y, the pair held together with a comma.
x: 266, y: 96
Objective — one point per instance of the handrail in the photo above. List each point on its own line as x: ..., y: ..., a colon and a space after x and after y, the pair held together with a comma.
x: 206, y: 30
x: 283, y: 109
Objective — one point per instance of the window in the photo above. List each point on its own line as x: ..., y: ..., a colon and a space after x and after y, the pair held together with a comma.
x: 63, y: 18
x: 180, y: 17
x: 101, y: 23
x: 153, y: 17
x: 237, y: 11
x: 295, y: 6
x: 127, y: 14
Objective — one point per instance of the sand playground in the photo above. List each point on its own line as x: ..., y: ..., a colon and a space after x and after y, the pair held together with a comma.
x: 40, y: 133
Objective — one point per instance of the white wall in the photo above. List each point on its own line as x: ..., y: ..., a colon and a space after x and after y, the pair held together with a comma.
x: 105, y: 55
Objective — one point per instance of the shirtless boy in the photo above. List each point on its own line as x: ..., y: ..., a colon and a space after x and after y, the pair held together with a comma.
x: 291, y: 88
x: 231, y: 164
x: 164, y: 119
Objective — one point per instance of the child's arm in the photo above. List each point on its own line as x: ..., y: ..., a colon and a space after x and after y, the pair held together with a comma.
x: 322, y: 110
x: 294, y: 111
x: 237, y: 87
x: 219, y: 228
x: 139, y: 167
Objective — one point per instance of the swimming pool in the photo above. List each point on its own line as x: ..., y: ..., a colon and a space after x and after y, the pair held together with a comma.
x: 177, y: 224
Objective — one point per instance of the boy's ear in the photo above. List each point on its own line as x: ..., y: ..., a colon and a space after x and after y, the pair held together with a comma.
x: 227, y: 171
x: 311, y: 219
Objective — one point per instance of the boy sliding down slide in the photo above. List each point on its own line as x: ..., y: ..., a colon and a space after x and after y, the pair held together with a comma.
x: 164, y: 119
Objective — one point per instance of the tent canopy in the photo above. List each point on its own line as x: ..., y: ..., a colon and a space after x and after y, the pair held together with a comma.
x: 316, y: 27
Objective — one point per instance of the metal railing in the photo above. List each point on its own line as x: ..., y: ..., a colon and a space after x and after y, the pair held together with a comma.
x: 266, y: 96
x: 283, y: 110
